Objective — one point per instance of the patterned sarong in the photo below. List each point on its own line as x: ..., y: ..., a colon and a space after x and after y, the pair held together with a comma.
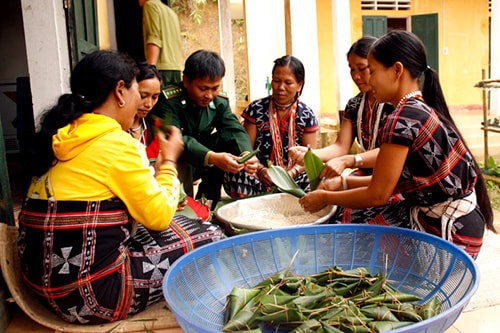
x: 89, y: 265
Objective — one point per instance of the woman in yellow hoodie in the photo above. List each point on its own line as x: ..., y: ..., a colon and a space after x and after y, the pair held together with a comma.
x: 97, y: 230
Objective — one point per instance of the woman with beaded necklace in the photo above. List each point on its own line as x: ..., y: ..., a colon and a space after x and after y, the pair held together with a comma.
x: 275, y: 124
x: 363, y: 117
x: 149, y: 80
x: 422, y: 154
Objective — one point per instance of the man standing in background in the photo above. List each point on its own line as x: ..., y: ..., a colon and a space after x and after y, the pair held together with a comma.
x: 162, y: 39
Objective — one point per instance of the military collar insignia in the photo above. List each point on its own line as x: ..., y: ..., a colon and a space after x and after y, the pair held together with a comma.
x: 172, y: 91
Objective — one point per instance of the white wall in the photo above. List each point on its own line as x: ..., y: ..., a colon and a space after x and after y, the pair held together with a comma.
x: 47, y: 51
x: 342, y: 42
x: 305, y: 47
x: 265, y: 27
x: 495, y: 55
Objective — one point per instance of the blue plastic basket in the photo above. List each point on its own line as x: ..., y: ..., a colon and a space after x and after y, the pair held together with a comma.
x: 196, y: 285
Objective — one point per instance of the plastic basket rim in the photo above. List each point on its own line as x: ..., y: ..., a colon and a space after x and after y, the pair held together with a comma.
x: 328, y: 228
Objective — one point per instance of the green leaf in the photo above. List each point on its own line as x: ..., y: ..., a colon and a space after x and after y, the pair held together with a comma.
x: 283, y: 181
x: 248, y: 156
x: 182, y: 193
x: 162, y: 123
x: 492, y: 164
x: 314, y: 165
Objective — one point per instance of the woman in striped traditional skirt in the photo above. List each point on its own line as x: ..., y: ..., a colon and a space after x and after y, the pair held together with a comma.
x: 97, y: 231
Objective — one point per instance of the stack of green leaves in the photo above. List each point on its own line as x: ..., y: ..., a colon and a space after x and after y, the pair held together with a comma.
x: 331, y: 301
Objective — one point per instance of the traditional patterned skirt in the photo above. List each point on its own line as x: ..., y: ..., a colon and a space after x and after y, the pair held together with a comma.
x: 467, y: 231
x: 89, y: 263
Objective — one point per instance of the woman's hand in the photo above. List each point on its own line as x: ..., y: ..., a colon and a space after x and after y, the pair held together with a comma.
x: 297, y: 154
x: 294, y: 171
x: 252, y: 165
x: 313, y: 201
x: 334, y: 167
x: 264, y: 177
x: 331, y: 184
x: 171, y: 144
x: 181, y: 205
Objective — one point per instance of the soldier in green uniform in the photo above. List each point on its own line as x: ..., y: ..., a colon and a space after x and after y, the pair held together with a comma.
x: 213, y: 136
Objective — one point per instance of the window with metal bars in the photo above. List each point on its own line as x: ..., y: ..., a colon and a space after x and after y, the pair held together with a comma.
x: 386, y: 4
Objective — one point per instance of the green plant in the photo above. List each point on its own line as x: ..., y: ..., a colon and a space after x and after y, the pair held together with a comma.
x: 491, y: 167
x: 193, y: 8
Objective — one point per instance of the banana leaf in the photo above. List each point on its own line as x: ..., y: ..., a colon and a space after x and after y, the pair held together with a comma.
x: 293, y: 284
x: 246, y: 318
x: 272, y: 280
x: 341, y: 310
x: 351, y: 328
x: 396, y: 297
x: 290, y: 302
x: 430, y: 309
x: 345, y: 290
x: 237, y: 300
x: 375, y: 288
x: 325, y: 328
x: 182, y: 193
x: 277, y: 300
x: 283, y: 181
x: 379, y: 313
x: 405, y: 311
x: 336, y: 272
x: 286, y: 313
x: 307, y: 327
x: 308, y: 302
x: 313, y: 165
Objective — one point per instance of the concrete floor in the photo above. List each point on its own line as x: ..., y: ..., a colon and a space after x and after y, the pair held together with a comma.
x: 482, y: 314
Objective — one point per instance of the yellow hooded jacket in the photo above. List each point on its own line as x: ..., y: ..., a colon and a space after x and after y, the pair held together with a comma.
x: 97, y: 160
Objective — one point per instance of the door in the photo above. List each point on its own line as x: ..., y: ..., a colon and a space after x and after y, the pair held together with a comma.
x: 426, y: 28
x: 81, y: 18
x: 374, y: 25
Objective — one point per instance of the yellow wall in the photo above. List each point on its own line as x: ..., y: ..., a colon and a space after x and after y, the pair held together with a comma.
x: 463, y: 30
x: 102, y: 24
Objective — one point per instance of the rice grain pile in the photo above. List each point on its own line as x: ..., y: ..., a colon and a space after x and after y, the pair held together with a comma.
x: 269, y: 212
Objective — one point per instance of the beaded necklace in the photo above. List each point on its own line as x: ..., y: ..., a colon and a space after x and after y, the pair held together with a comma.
x: 274, y: 122
x: 142, y: 126
x: 416, y: 93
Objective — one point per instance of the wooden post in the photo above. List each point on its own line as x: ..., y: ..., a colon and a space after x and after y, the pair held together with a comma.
x: 485, y: 119
x: 6, y: 209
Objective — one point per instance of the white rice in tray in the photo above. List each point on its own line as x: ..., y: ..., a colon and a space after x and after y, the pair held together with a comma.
x: 270, y: 212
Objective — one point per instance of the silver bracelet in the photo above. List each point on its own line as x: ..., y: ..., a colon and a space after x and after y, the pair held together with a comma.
x: 358, y: 161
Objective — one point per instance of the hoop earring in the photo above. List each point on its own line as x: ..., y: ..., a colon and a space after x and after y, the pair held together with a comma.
x: 122, y: 104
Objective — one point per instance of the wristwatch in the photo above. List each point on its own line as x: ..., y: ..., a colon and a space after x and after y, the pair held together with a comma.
x: 358, y: 161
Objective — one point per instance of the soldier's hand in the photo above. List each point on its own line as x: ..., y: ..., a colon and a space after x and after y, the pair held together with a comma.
x: 226, y: 162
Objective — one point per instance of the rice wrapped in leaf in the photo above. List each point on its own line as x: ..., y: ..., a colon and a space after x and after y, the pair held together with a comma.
x: 396, y: 297
x: 378, y: 312
x: 237, y: 299
x: 430, y: 309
